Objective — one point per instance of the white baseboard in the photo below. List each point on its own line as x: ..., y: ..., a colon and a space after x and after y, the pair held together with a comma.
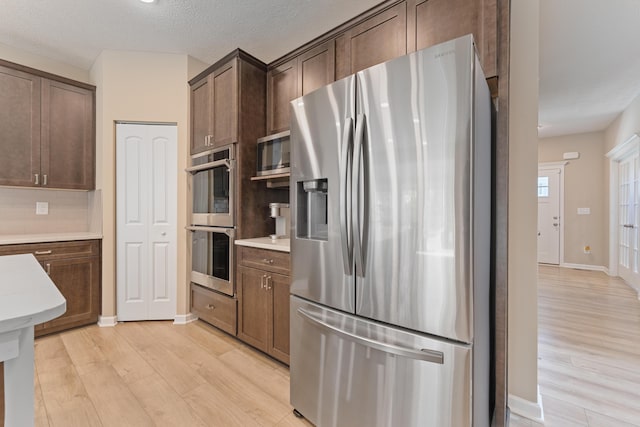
x: 586, y: 267
x: 183, y: 319
x: 526, y: 408
x: 107, y: 321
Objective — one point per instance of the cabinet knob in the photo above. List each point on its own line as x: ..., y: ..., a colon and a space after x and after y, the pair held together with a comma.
x: 211, y: 307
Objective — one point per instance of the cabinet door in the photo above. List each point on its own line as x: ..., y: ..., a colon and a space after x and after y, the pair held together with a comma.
x: 19, y: 127
x: 378, y: 39
x: 67, y: 158
x: 225, y: 104
x: 79, y: 282
x: 279, y: 338
x: 435, y: 21
x: 253, y: 307
x: 282, y: 88
x: 316, y: 68
x: 201, y: 111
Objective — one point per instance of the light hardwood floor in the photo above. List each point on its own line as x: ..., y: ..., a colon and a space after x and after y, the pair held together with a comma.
x: 156, y: 373
x: 588, y: 350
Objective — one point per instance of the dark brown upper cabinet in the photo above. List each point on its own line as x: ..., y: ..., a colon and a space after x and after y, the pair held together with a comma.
x: 435, y: 21
x: 214, y: 108
x: 47, y: 130
x: 304, y: 73
x: 374, y: 40
x: 282, y: 87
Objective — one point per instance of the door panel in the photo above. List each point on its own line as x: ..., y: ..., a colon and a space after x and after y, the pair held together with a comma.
x: 201, y: 111
x: 317, y: 255
x: 416, y: 214
x: 279, y: 340
x: 281, y: 89
x: 316, y: 68
x: 253, y: 309
x: 629, y: 220
x: 19, y: 127
x: 225, y: 105
x: 146, y: 221
x: 68, y: 143
x: 549, y: 216
x: 356, y: 378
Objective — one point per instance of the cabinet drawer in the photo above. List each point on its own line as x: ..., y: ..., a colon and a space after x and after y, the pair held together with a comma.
x: 55, y: 250
x: 264, y: 259
x: 210, y: 306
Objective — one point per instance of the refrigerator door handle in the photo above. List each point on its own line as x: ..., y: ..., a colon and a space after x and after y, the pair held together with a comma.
x: 345, y: 161
x: 355, y: 212
x: 426, y: 355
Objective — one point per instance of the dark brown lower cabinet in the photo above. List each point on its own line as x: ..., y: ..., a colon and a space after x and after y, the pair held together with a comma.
x: 263, y: 311
x: 263, y: 301
x: 74, y: 267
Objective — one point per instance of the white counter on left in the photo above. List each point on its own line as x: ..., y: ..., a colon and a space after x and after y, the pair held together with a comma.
x: 27, y: 297
x: 11, y: 239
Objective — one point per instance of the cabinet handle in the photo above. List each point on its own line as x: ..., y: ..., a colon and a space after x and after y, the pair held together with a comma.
x: 269, y: 280
x: 48, y: 265
x: 37, y: 182
x: 211, y: 307
x: 263, y: 282
x: 43, y: 252
x: 267, y: 261
x: 44, y: 179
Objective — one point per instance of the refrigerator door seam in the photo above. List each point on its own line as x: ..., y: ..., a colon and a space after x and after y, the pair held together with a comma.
x: 426, y: 355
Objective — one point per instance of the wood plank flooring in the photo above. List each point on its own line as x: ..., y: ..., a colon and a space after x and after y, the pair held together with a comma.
x: 160, y: 374
x: 588, y: 350
x: 157, y: 374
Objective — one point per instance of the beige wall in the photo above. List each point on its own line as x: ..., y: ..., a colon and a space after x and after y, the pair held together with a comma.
x: 68, y: 211
x: 523, y: 153
x: 138, y: 86
x: 583, y: 188
x: 41, y: 63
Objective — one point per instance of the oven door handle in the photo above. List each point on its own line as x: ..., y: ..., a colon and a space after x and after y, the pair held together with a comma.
x: 230, y: 164
x: 228, y: 231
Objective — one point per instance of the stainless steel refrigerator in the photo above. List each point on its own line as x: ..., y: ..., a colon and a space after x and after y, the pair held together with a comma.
x: 390, y: 244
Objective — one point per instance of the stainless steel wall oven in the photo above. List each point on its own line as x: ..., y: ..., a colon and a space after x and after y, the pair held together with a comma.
x: 212, y: 257
x: 213, y: 187
x: 213, y: 218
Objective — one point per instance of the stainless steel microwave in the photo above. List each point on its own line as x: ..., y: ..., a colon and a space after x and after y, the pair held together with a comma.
x: 273, y: 154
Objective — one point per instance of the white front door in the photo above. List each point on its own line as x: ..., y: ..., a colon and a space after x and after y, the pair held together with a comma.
x: 549, y: 216
x: 628, y: 219
x: 146, y: 216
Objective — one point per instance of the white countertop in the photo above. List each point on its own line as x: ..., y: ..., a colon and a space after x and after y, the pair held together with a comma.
x: 281, y: 245
x: 10, y: 239
x: 27, y: 294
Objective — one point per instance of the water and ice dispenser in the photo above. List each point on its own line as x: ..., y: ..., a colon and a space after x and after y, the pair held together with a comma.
x: 312, y: 214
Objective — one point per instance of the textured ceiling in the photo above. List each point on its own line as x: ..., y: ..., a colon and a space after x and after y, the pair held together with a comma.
x: 76, y: 31
x: 589, y: 49
x: 589, y: 63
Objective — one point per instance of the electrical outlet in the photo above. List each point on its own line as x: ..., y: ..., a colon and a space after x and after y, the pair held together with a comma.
x: 42, y: 208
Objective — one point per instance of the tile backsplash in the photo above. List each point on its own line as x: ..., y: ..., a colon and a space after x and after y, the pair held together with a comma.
x: 69, y: 211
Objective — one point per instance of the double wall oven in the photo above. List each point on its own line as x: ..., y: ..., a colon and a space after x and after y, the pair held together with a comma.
x: 213, y: 178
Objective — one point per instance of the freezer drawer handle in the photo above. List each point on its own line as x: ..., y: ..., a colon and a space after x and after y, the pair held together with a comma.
x: 423, y: 354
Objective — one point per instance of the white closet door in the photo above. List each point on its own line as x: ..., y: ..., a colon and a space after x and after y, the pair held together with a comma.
x: 629, y: 219
x: 146, y: 216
